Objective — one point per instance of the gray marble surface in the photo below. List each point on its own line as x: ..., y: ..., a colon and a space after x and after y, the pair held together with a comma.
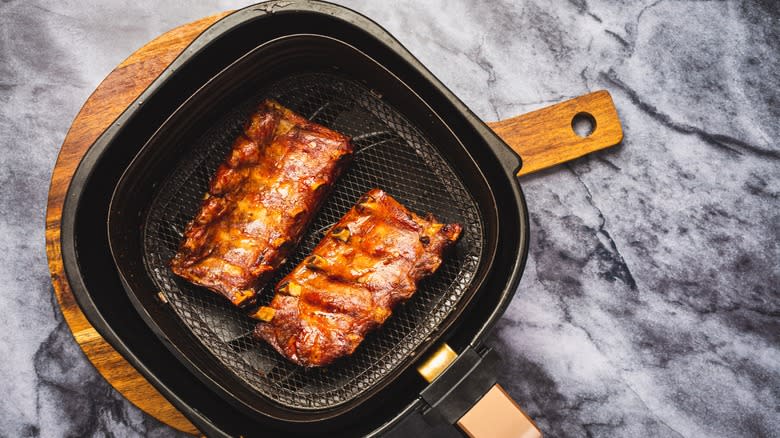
x: 650, y: 303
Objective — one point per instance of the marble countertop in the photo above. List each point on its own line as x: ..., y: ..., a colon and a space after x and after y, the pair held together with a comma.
x: 650, y: 303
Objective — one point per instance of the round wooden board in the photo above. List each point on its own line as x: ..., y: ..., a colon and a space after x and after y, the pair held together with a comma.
x: 544, y: 138
x: 112, y: 96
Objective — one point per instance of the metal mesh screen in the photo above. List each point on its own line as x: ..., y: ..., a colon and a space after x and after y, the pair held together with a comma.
x: 390, y: 154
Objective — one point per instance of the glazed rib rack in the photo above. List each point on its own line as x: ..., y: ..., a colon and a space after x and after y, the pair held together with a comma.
x: 367, y: 264
x: 270, y: 186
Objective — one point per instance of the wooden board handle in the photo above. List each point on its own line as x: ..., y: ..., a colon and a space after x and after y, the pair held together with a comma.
x: 545, y: 137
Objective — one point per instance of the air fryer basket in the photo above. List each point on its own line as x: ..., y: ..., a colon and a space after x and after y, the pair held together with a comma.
x: 402, y: 146
x: 414, y: 139
x: 391, y: 153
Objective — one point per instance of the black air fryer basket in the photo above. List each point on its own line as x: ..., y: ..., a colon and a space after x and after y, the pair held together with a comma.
x: 402, y: 145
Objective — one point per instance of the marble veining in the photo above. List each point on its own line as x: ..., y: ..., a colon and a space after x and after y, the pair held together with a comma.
x: 650, y: 304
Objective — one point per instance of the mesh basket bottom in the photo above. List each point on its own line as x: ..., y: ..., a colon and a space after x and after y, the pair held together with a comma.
x: 390, y: 153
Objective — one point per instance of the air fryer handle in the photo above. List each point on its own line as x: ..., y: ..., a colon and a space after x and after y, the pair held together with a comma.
x: 545, y: 137
x: 463, y: 391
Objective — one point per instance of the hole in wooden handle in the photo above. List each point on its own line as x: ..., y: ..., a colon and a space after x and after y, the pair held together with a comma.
x: 583, y: 124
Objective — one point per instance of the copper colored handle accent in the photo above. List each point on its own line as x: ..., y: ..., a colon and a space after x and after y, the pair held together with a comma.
x: 496, y: 415
x: 545, y: 137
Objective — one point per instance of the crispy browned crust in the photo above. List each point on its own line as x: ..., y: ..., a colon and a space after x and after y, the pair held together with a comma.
x: 369, y: 261
x: 260, y: 200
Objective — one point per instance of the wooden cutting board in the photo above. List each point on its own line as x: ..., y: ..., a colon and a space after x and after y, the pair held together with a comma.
x: 543, y: 138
